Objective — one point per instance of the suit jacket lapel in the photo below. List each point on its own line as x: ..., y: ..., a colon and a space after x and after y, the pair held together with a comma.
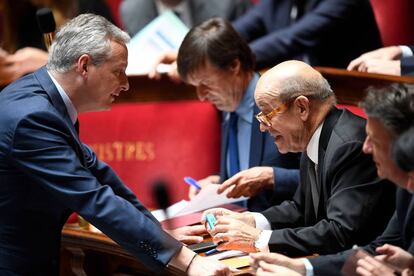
x: 57, y: 101
x: 326, y: 132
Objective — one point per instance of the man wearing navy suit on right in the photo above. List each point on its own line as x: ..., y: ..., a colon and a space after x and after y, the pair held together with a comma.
x: 319, y: 32
x: 46, y: 173
x: 219, y: 63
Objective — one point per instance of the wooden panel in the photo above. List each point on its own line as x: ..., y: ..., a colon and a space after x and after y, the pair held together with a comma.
x: 350, y: 86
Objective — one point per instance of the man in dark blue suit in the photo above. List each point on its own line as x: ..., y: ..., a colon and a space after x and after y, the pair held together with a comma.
x: 216, y: 60
x: 390, y: 111
x: 320, y: 32
x: 46, y: 173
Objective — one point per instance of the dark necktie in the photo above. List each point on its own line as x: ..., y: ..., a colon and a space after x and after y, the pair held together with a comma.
x: 314, y: 185
x: 233, y: 145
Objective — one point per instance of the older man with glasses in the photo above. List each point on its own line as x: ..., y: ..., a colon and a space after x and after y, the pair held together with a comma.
x: 340, y: 200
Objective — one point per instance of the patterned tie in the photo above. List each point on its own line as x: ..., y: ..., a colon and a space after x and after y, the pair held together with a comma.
x: 233, y: 145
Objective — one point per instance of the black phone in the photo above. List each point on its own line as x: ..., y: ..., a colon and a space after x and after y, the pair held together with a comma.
x: 202, y: 246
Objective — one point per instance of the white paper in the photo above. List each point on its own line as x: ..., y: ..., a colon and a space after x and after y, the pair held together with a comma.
x: 172, y: 210
x: 164, y: 33
x: 207, y: 198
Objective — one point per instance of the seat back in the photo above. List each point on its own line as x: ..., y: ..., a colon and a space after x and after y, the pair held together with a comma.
x: 395, y: 21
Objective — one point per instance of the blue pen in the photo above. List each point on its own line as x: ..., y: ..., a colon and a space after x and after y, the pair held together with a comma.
x: 192, y: 182
x: 212, y: 251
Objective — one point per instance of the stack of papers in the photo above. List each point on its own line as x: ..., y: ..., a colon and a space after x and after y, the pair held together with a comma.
x: 205, y: 199
x: 164, y: 33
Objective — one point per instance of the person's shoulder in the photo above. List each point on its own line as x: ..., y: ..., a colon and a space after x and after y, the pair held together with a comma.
x: 350, y: 127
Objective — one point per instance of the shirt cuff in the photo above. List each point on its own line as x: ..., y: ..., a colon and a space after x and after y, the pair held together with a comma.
x: 261, y: 222
x: 262, y: 242
x: 406, y: 51
x: 308, y: 267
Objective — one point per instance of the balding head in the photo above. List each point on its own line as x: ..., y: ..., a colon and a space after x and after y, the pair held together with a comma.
x: 294, y: 99
x: 289, y: 80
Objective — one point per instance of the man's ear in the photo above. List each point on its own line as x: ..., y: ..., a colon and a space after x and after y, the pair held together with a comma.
x: 302, y: 107
x: 82, y: 66
x: 235, y: 66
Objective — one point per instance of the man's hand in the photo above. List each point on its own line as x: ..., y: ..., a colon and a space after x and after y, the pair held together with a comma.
x: 169, y: 57
x: 245, y: 217
x: 258, y: 260
x: 204, y: 266
x: 369, y: 266
x: 248, y: 182
x: 186, y: 261
x: 396, y: 256
x: 380, y: 66
x: 386, y: 53
x: 189, y: 234
x: 234, y: 235
x: 24, y: 61
x: 212, y: 179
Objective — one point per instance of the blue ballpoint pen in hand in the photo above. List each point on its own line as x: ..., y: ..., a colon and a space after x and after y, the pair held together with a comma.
x: 192, y: 182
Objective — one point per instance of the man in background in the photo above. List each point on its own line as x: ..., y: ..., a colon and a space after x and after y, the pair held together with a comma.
x: 136, y: 14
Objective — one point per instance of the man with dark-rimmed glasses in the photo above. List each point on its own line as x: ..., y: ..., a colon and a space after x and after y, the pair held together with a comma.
x: 340, y: 200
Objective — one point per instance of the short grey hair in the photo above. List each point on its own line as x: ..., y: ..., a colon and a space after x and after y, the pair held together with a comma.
x: 85, y: 34
x: 314, y: 87
x: 393, y: 106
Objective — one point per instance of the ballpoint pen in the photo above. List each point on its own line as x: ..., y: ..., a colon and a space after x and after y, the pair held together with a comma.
x: 192, y: 182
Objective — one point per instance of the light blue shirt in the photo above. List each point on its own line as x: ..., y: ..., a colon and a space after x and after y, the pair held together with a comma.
x: 73, y: 114
x: 244, y: 125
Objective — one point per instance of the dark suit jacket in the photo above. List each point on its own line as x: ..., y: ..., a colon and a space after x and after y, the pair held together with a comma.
x: 264, y: 152
x: 407, y: 64
x: 46, y: 173
x: 351, y: 204
x: 330, y: 33
x: 135, y: 14
x: 399, y: 232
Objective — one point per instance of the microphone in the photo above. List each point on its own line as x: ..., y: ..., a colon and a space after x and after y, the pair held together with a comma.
x: 47, y: 25
x: 162, y: 197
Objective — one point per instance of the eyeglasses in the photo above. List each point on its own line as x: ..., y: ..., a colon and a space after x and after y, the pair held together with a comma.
x: 266, y: 118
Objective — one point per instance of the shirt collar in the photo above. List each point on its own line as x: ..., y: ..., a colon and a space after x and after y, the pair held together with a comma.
x: 245, y: 108
x: 73, y: 114
x: 312, y: 149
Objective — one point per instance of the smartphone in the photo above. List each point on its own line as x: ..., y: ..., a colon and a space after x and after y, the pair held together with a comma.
x: 202, y: 246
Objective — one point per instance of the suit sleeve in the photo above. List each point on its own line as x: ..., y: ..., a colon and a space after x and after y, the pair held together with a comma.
x: 352, y: 182
x: 308, y: 32
x: 105, y: 174
x: 407, y: 66
x: 286, y: 181
x: 44, y: 150
x: 332, y: 264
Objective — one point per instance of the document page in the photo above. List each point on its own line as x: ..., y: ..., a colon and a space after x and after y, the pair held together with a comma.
x: 164, y: 33
x: 207, y: 198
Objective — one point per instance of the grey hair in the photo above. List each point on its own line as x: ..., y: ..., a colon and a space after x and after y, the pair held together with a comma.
x: 85, y: 34
x: 314, y: 87
x: 393, y: 106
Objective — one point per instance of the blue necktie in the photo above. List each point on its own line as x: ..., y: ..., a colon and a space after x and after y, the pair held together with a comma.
x: 233, y: 145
